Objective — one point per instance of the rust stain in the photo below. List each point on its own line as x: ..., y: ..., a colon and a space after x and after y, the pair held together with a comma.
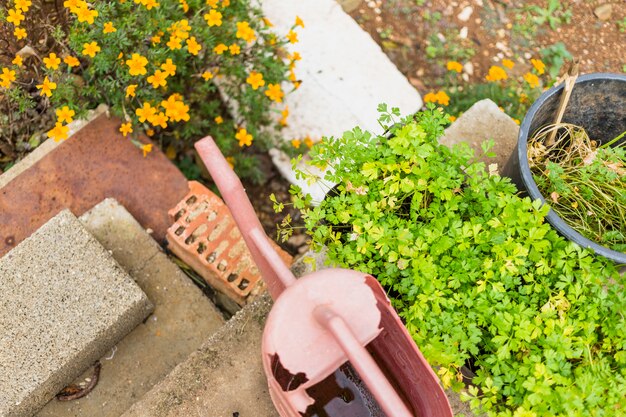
x: 96, y: 163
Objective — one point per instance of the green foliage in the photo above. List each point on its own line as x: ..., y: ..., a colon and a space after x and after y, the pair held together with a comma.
x: 555, y: 56
x: 554, y: 14
x: 478, y: 276
x: 448, y: 46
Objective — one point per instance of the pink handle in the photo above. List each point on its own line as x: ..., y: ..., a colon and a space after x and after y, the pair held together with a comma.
x: 275, y: 273
x: 359, y: 357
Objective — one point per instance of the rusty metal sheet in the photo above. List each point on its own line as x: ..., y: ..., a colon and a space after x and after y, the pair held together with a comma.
x: 94, y: 164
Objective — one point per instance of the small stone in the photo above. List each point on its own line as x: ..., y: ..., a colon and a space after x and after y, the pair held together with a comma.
x: 350, y: 5
x: 465, y: 14
x: 479, y: 3
x: 441, y: 37
x: 378, y: 19
x: 603, y: 12
x: 371, y: 4
x: 501, y: 33
x: 527, y: 55
x: 468, y: 68
x: 500, y: 55
x: 463, y: 33
x: 465, y: 77
x: 377, y: 10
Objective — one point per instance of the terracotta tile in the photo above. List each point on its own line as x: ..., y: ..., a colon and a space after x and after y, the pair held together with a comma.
x: 96, y: 163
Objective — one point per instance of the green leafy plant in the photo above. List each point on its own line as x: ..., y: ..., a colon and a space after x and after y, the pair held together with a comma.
x: 479, y: 278
x: 554, y: 14
x: 555, y: 56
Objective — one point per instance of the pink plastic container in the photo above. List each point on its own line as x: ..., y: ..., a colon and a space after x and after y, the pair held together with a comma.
x: 332, y: 345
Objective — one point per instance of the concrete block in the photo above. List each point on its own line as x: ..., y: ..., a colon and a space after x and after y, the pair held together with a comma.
x: 182, y: 320
x: 483, y: 121
x: 204, y: 235
x: 64, y: 302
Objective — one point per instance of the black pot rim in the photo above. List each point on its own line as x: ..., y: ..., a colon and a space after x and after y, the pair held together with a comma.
x: 531, y: 187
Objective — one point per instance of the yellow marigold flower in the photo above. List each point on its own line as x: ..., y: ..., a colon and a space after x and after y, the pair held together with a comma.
x: 47, y: 87
x: 454, y: 66
x: 244, y: 138
x: 213, y: 18
x: 84, y: 14
x: 126, y: 128
x: 245, y: 32
x: 496, y: 74
x: 71, y: 61
x: 234, y: 49
x: 145, y: 112
x: 443, y: 98
x: 7, y: 77
x: 292, y: 36
x: 158, y: 79
x: 156, y: 39
x: 308, y: 142
x: 147, y: 148
x: 168, y: 68
x: 174, y: 43
x: 516, y: 121
x: 508, y: 63
x: 52, y: 61
x: 91, y: 49
x: 219, y: 120
x: 275, y: 93
x: 23, y: 5
x: 109, y: 28
x: 267, y: 22
x: 130, y: 90
x: 297, y: 84
x: 451, y: 118
x: 17, y: 60
x: 137, y: 64
x: 184, y: 5
x: 15, y: 17
x: 231, y: 161
x: 150, y: 133
x: 59, y: 132
x: 159, y: 119
x: 20, y: 33
x: 225, y: 3
x: 65, y: 114
x: 255, y: 79
x: 212, y: 3
x: 207, y: 75
x: 175, y: 108
x: 292, y: 76
x: 73, y: 5
x: 523, y: 98
x: 150, y: 4
x: 299, y: 22
x: 430, y: 98
x: 531, y: 79
x: 120, y: 55
x: 295, y: 56
x: 539, y: 65
x: 220, y: 49
x: 285, y: 112
x: 296, y: 143
x: 193, y: 46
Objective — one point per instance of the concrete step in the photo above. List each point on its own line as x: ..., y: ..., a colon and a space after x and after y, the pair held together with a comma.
x: 64, y: 302
x: 182, y: 319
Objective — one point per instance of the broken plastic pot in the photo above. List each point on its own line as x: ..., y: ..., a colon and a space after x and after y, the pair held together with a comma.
x: 332, y: 345
x: 596, y: 104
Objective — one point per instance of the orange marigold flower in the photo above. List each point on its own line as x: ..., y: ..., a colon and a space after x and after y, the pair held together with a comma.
x: 59, y: 132
x: 430, y: 98
x: 91, y: 49
x: 46, y: 87
x: 234, y: 49
x: 531, y: 79
x: 130, y: 90
x: 137, y: 64
x: 496, y: 74
x: 65, y: 114
x: 174, y: 43
x: 207, y: 75
x: 126, y: 128
x: 52, y: 61
x: 23, y: 5
x: 451, y: 118
x: 159, y: 119
x: 244, y: 138
x: 454, y: 66
x: 275, y: 93
x: 299, y: 22
x: 539, y: 65
x: 508, y: 63
x: 175, y: 108
x: 296, y: 143
x: 308, y: 142
x: 168, y: 67
x: 292, y: 36
x: 7, y: 77
x: 212, y: 3
x: 84, y: 14
x: 245, y: 32
x: 255, y: 79
x: 73, y: 5
x: 213, y: 18
x: 158, y: 79
x: 220, y: 49
x: 295, y: 56
x: 71, y: 61
x: 17, y: 60
x: 147, y: 148
x: 267, y: 22
x: 442, y: 98
x: 109, y: 28
x: 219, y: 120
x: 145, y: 112
x: 193, y: 46
x: 20, y: 33
x: 15, y: 17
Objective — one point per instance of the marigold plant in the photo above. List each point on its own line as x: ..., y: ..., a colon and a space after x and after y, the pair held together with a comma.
x: 161, y: 66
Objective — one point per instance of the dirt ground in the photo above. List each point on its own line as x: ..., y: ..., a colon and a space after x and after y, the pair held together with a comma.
x: 408, y: 29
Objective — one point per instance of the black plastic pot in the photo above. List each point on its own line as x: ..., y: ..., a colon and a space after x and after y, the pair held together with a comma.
x: 597, y: 104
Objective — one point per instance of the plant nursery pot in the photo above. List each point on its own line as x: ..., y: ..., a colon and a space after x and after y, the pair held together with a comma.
x: 597, y: 104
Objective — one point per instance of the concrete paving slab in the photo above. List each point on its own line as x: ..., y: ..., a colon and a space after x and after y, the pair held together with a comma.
x: 182, y: 320
x: 483, y: 121
x: 96, y: 163
x: 64, y: 302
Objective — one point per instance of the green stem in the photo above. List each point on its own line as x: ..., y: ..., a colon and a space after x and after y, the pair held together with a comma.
x: 606, y: 145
